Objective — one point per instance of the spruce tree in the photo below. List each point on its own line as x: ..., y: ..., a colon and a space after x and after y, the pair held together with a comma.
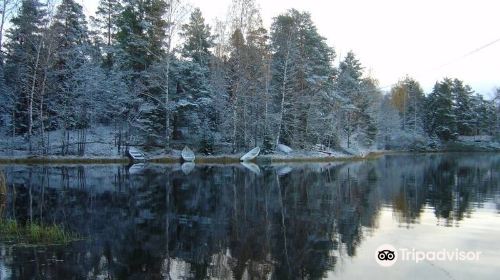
x: 357, y: 95
x: 197, y: 39
x: 463, y: 108
x: 440, y: 118
x: 192, y: 76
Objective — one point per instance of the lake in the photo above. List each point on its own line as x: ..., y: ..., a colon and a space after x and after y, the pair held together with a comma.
x: 285, y: 221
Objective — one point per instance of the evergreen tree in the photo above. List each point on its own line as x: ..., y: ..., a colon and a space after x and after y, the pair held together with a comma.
x: 237, y: 83
x: 194, y: 96
x: 141, y: 32
x: 248, y: 76
x: 496, y: 104
x: 348, y: 81
x: 193, y: 103
x: 258, y: 101
x: 197, y: 39
x: 141, y: 35
x: 484, y: 116
x: 463, y: 108
x: 367, y: 103
x: 70, y: 34
x: 106, y: 22
x: 23, y: 61
x: 440, y: 120
x: 106, y: 18
x: 302, y: 76
x: 357, y: 96
x: 7, y: 101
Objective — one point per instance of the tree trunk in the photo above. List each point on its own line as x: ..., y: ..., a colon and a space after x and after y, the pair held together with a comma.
x: 32, y: 93
x: 2, y: 23
x: 283, y: 91
x: 235, y: 115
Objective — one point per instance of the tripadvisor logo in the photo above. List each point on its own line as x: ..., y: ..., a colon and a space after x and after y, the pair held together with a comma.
x: 386, y: 255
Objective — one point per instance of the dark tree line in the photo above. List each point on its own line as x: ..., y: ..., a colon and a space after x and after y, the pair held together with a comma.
x: 219, y: 89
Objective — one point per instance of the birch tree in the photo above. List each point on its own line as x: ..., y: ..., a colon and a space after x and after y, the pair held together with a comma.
x: 7, y: 9
x: 24, y: 51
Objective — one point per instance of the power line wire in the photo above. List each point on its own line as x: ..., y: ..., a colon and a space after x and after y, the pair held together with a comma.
x: 469, y: 53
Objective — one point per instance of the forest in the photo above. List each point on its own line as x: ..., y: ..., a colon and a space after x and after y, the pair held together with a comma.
x: 155, y: 74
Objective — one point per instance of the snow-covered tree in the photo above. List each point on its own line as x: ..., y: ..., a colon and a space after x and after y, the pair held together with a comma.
x: 483, y: 119
x: 302, y: 76
x: 496, y: 103
x: 440, y: 118
x: 192, y: 95
x: 7, y: 9
x: 388, y: 123
x: 141, y: 32
x: 197, y: 39
x: 463, y: 108
x: 107, y: 14
x: 408, y: 97
x: 24, y: 62
x: 357, y: 96
x: 367, y: 104
x: 105, y: 24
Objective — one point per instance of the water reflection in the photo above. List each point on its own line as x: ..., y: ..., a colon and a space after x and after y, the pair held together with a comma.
x: 160, y: 222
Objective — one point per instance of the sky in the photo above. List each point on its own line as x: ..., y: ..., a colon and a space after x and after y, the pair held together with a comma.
x: 424, y: 39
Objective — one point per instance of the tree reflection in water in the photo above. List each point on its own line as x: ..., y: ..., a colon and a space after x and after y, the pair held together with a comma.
x: 227, y: 222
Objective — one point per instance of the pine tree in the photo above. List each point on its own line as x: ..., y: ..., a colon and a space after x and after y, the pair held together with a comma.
x: 106, y: 18
x: 197, y: 39
x: 23, y: 61
x: 72, y: 51
x: 302, y: 73
x: 106, y: 22
x: 141, y: 32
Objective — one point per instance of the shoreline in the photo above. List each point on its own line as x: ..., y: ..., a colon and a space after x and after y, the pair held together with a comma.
x: 220, y: 159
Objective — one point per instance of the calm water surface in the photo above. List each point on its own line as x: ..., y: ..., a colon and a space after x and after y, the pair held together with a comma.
x: 254, y: 222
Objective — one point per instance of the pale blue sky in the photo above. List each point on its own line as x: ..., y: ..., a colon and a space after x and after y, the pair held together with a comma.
x: 426, y: 39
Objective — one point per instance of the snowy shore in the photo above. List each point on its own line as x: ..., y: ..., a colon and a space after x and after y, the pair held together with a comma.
x: 101, y: 148
x: 296, y: 156
x: 301, y: 156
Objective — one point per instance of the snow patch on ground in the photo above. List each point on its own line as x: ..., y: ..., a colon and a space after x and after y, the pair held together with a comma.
x: 100, y: 141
